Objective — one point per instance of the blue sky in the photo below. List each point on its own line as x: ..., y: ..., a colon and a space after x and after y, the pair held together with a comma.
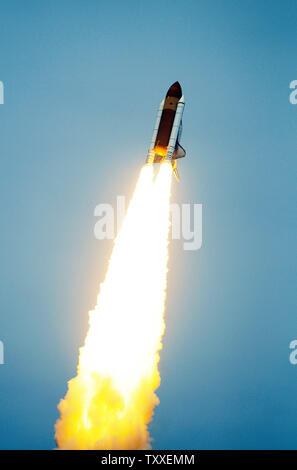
x: 83, y: 80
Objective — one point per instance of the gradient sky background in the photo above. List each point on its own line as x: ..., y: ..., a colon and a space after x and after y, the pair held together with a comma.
x: 83, y: 80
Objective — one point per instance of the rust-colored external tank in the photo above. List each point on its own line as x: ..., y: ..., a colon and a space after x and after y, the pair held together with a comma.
x: 173, y: 96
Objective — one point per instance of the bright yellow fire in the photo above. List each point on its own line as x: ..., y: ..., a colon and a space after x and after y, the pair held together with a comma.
x: 160, y: 150
x: 110, y: 402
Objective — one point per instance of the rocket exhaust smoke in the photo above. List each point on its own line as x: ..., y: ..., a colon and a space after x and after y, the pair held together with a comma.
x: 110, y: 402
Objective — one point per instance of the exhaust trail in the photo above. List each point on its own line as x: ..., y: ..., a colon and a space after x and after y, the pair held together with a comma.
x: 111, y: 401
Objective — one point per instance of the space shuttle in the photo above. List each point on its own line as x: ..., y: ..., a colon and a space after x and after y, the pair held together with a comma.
x: 165, y: 146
